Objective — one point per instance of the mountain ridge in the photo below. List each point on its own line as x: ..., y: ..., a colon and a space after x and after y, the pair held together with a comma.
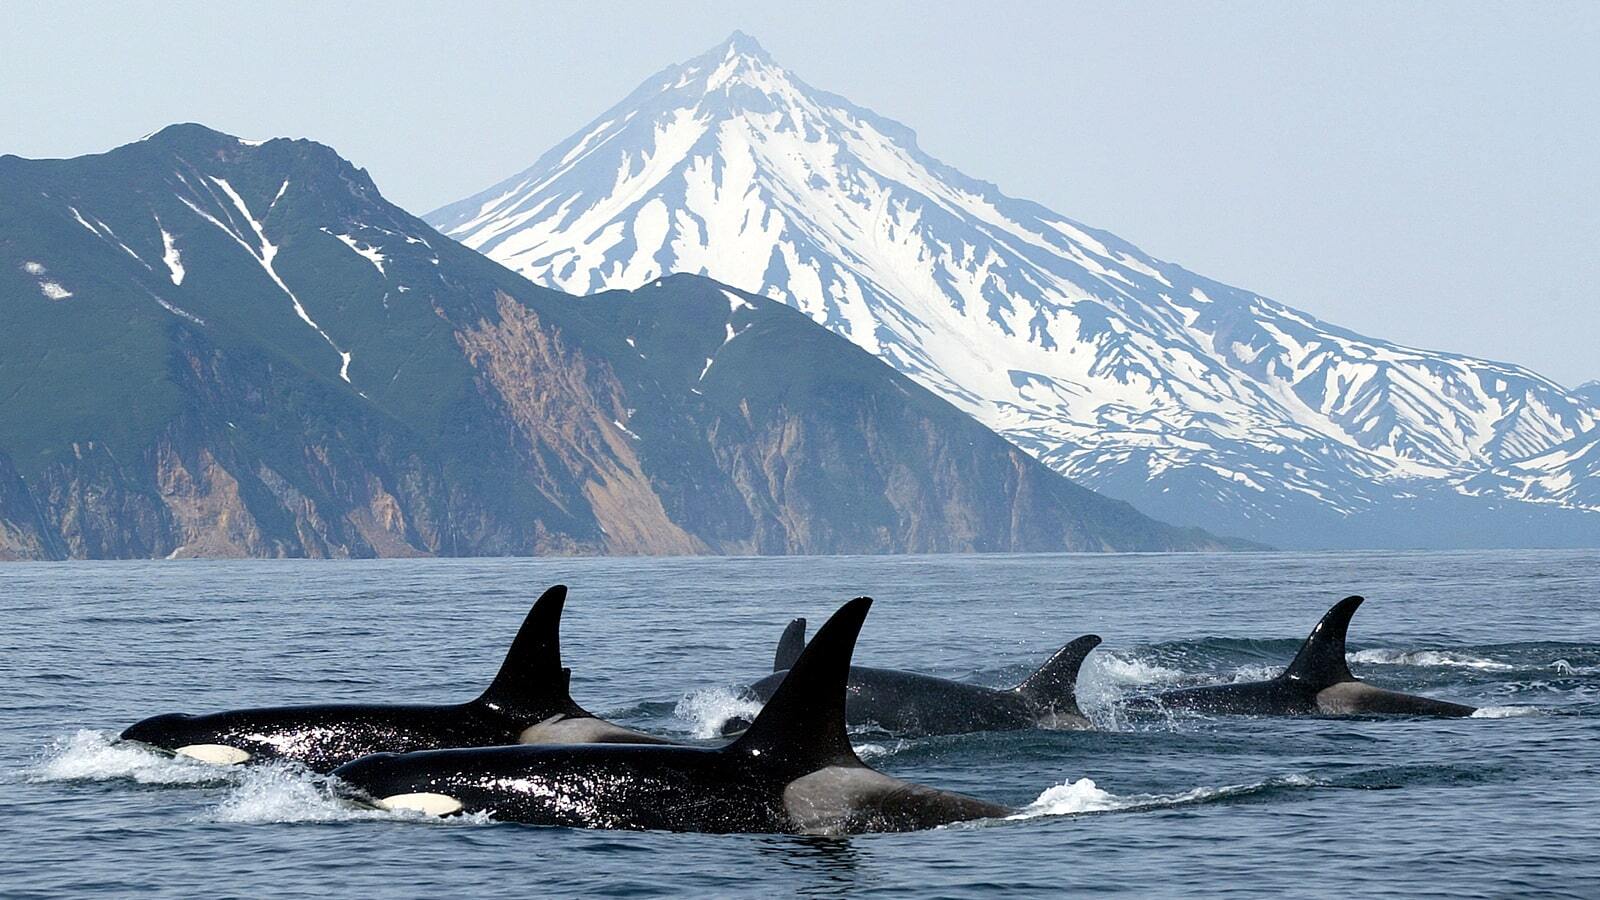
x: 219, y: 347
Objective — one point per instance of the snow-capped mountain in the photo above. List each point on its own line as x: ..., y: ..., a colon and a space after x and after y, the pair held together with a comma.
x: 1200, y: 402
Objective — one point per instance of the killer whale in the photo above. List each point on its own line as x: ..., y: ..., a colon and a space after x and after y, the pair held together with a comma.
x: 793, y: 771
x: 1317, y: 682
x: 528, y: 701
x: 911, y: 704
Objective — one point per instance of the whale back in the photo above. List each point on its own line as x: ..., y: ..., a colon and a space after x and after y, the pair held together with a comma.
x: 802, y: 728
x: 790, y: 645
x: 532, y: 685
x: 1321, y: 662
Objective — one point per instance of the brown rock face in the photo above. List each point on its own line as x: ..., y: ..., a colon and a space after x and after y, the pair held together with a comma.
x: 569, y: 409
x: 206, y: 509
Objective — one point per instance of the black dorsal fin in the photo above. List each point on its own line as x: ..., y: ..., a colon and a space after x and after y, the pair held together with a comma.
x: 1055, y: 684
x: 531, y: 683
x: 790, y: 645
x: 1320, y: 662
x: 802, y: 727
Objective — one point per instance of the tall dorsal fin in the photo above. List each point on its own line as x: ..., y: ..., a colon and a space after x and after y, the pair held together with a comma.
x: 790, y: 645
x: 1320, y: 662
x: 802, y: 727
x: 531, y: 682
x: 1055, y: 684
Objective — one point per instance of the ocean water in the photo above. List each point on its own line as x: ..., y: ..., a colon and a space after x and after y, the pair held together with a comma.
x: 1504, y: 804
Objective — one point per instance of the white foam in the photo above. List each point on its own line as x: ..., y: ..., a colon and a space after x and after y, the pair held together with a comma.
x: 1083, y: 796
x: 1437, y: 658
x: 705, y: 711
x: 1070, y: 797
x: 1505, y: 712
x: 96, y: 756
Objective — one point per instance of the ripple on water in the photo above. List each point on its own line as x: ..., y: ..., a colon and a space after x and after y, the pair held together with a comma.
x: 1255, y: 806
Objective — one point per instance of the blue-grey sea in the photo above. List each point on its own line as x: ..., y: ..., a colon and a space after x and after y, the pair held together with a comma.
x: 1503, y: 804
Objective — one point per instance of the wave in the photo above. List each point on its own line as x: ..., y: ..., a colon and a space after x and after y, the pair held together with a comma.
x: 1084, y: 796
x: 1428, y: 658
x: 90, y: 755
x: 1565, y: 667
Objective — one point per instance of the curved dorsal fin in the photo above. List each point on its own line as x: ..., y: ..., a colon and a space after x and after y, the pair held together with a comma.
x: 1320, y: 662
x: 532, y: 682
x: 790, y: 645
x: 802, y: 728
x: 1055, y: 684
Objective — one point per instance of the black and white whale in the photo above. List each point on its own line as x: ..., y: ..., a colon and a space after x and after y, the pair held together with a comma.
x: 911, y: 704
x: 793, y: 771
x: 1317, y: 682
x: 528, y: 702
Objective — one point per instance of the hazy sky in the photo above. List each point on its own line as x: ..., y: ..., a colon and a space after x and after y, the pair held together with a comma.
x: 1426, y: 173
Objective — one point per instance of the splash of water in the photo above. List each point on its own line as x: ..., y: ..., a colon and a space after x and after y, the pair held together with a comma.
x: 1070, y: 797
x: 284, y: 793
x: 1117, y: 668
x: 89, y: 755
x: 1247, y: 674
x: 704, y: 711
x: 279, y: 793
x: 1107, y: 677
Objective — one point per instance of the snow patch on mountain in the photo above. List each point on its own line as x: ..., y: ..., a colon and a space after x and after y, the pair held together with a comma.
x: 170, y: 255
x: 263, y: 251
x: 366, y: 251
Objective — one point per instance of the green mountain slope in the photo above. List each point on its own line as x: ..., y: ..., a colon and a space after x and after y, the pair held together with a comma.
x: 213, y: 347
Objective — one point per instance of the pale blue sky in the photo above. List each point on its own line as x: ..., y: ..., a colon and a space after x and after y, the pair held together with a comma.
x: 1427, y: 173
